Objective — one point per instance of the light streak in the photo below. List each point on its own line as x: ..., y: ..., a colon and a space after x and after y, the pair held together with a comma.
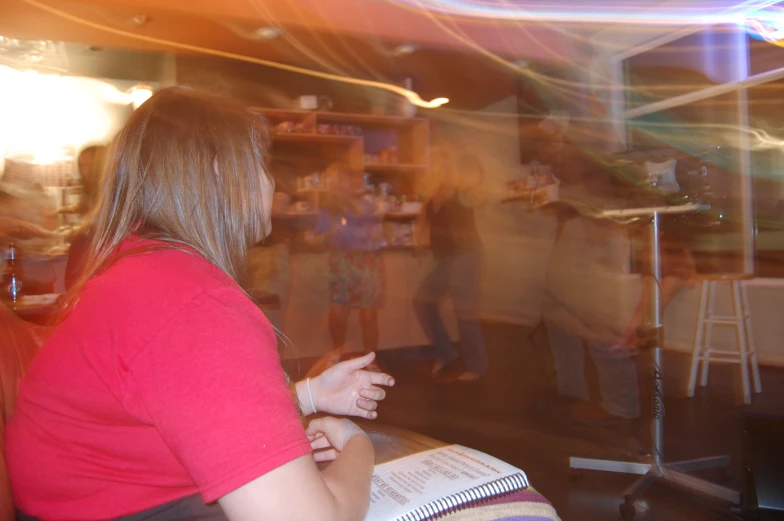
x: 600, y: 12
x: 769, y: 27
x: 411, y: 96
x: 763, y: 18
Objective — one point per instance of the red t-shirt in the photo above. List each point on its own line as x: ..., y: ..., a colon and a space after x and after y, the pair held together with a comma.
x: 163, y: 382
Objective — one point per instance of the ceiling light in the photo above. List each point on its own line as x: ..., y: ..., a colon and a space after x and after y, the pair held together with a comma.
x: 267, y: 33
x: 405, y: 49
x: 140, y: 19
x: 522, y: 64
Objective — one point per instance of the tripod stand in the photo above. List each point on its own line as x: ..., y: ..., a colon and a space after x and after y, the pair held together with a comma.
x: 653, y: 468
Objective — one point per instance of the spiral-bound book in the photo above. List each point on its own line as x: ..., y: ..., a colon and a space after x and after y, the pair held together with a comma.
x: 428, y: 484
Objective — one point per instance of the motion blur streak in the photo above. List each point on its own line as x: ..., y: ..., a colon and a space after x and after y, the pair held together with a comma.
x: 583, y: 11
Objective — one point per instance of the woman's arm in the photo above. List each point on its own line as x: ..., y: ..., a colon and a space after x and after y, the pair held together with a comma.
x: 298, y: 491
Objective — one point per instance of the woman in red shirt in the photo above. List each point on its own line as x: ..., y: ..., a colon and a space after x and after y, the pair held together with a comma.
x: 161, y: 395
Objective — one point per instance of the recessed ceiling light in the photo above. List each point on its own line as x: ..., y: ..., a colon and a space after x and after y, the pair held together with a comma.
x: 405, y: 49
x: 140, y: 19
x: 267, y: 33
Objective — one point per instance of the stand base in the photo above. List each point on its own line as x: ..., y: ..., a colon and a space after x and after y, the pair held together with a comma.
x: 674, y: 473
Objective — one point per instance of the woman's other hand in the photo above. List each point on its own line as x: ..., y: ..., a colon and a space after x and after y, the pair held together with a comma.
x: 348, y: 389
x: 328, y: 436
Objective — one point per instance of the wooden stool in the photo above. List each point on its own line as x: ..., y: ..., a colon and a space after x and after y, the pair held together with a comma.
x: 740, y: 319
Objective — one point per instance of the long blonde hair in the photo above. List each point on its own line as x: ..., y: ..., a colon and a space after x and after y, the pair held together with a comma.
x: 186, y: 169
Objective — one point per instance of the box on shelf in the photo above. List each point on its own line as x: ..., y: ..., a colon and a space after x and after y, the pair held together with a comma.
x: 538, y: 188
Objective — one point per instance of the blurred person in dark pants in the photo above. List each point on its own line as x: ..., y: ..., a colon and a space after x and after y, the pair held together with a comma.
x: 457, y: 273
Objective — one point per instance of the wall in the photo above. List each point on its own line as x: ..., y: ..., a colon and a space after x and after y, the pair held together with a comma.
x: 765, y: 297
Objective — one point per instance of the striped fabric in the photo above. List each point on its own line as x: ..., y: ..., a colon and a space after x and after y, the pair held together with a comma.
x: 525, y: 505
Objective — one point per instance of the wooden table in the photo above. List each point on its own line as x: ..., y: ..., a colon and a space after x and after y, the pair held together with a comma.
x: 38, y: 309
x: 265, y: 299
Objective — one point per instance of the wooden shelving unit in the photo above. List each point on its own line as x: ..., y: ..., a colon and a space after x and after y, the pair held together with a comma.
x: 410, y: 136
x: 302, y: 137
x: 392, y: 150
x: 394, y: 167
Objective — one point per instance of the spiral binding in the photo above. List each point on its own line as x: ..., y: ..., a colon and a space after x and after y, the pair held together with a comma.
x: 470, y: 497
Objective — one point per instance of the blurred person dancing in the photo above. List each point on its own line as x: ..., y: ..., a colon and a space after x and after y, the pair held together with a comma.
x: 457, y: 273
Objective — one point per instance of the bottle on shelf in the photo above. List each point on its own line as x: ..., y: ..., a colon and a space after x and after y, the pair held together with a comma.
x: 12, y: 278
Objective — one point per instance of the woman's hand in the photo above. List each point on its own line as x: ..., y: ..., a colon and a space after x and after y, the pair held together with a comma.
x: 328, y: 436
x: 628, y: 344
x: 347, y: 389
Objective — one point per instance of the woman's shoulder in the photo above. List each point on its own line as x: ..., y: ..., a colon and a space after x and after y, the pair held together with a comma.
x: 156, y: 277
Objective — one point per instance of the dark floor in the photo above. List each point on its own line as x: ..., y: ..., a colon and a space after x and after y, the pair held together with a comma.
x: 499, y: 416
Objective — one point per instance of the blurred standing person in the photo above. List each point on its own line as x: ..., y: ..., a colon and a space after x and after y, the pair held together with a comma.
x: 457, y: 273
x: 581, y: 309
x: 357, y: 277
x: 90, y: 162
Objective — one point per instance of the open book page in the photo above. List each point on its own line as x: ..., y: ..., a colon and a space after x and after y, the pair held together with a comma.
x: 406, y: 484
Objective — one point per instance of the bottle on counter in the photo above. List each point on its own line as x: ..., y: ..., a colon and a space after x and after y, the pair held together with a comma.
x: 12, y: 277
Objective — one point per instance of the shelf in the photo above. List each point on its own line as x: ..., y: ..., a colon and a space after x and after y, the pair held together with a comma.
x: 403, y: 247
x: 301, y: 247
x: 293, y: 137
x: 370, y: 120
x: 294, y: 115
x: 295, y: 215
x: 392, y: 216
x: 394, y: 167
x: 400, y: 216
